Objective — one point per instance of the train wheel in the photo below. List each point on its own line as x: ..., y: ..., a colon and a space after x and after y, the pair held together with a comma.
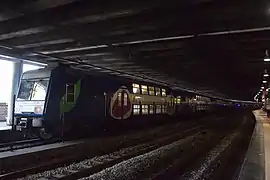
x: 43, y: 134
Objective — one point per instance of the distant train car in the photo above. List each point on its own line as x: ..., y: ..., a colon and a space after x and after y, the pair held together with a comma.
x: 49, y: 98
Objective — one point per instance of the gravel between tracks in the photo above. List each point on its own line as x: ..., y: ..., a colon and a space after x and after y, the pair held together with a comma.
x: 209, y: 159
x: 88, y: 162
x: 131, y: 168
x: 105, y: 158
x: 143, y: 152
x: 212, y: 158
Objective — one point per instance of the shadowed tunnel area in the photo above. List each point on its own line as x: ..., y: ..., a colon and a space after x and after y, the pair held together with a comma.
x: 215, y: 48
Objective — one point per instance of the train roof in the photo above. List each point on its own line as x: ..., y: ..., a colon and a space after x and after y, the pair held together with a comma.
x: 37, y: 73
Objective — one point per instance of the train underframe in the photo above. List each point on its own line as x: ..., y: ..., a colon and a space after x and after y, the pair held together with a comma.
x: 33, y: 128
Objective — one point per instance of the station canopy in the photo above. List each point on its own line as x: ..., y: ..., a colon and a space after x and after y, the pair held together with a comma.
x: 210, y: 47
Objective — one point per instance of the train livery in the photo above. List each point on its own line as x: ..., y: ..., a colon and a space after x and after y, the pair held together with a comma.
x: 50, y: 97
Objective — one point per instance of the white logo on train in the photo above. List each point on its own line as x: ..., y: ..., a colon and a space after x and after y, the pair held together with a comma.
x: 121, y: 104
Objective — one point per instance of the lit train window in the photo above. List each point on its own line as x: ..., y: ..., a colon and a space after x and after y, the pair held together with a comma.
x: 70, y: 93
x: 151, y: 109
x: 136, y: 88
x: 163, y: 92
x: 164, y: 109
x: 136, y: 109
x: 178, y: 100
x: 172, y: 101
x: 158, y: 109
x: 119, y: 99
x: 144, y: 109
x: 151, y: 91
x: 125, y: 99
x: 157, y: 91
x: 144, y: 89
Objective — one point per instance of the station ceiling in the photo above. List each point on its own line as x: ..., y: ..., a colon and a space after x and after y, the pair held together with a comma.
x: 216, y: 47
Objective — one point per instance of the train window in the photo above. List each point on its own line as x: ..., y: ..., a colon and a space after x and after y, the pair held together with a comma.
x: 70, y: 98
x: 125, y: 99
x: 136, y: 109
x: 136, y: 88
x: 157, y: 91
x: 144, y: 89
x: 164, y: 109
x: 144, y: 109
x: 70, y: 93
x: 151, y: 91
x: 172, y: 101
x: 151, y: 109
x: 70, y: 88
x: 158, y: 109
x: 178, y: 100
x: 163, y: 92
x: 119, y: 99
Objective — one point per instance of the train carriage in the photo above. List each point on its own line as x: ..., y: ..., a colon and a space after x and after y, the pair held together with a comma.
x: 51, y: 101
x: 51, y: 97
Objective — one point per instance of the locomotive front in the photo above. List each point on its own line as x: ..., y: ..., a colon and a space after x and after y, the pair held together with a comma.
x: 31, y: 100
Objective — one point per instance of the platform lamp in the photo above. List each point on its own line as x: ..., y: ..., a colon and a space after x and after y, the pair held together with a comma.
x: 265, y: 75
x: 266, y: 58
x: 265, y: 92
x: 265, y: 79
x: 258, y: 95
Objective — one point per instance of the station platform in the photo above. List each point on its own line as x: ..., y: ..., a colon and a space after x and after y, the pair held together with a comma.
x: 256, y: 165
x: 4, y: 126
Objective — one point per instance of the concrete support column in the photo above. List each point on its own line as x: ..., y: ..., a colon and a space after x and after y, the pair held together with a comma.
x: 17, y: 73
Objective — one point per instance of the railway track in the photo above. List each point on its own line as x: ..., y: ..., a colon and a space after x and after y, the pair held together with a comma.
x: 154, y: 157
x: 130, y: 163
x: 54, y: 158
x: 99, y: 162
x: 220, y: 162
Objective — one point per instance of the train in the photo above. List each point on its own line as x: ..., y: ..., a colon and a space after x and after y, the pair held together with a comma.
x: 53, y: 100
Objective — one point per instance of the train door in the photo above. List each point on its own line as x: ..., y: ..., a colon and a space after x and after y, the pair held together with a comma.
x: 121, y: 107
x: 171, y: 105
x: 122, y: 102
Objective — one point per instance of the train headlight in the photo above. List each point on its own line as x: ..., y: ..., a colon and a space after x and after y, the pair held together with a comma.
x: 37, y: 122
x: 38, y: 110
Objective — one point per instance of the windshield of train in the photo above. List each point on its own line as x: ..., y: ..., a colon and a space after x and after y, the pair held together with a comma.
x: 33, y: 89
